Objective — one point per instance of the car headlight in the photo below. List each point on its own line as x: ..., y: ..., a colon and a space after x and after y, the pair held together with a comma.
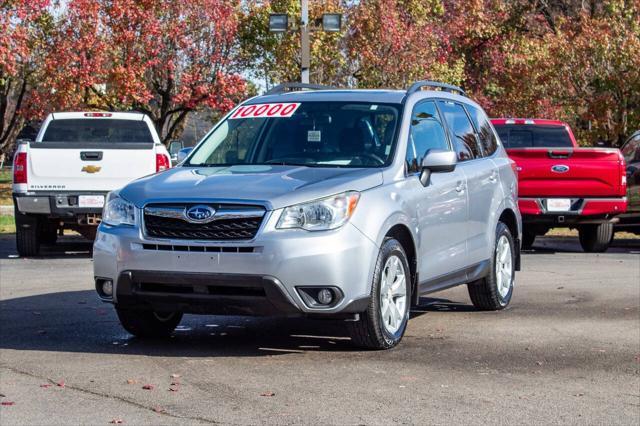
x: 320, y: 215
x: 118, y: 211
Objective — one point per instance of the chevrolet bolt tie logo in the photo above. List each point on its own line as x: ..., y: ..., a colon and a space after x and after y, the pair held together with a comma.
x: 200, y: 214
x: 91, y: 169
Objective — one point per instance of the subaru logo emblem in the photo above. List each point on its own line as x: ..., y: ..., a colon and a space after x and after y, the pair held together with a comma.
x: 560, y: 168
x: 200, y: 214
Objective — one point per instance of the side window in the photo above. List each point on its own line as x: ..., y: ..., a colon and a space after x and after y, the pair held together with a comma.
x: 464, y: 138
x: 427, y: 132
x: 488, y: 139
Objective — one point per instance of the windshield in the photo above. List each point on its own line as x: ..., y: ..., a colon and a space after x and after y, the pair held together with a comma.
x: 526, y: 136
x: 321, y: 134
x: 98, y: 131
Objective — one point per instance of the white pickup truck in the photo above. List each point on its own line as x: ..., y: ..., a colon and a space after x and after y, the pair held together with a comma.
x: 60, y: 180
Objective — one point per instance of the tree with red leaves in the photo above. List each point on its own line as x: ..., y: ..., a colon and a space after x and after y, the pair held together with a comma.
x: 162, y: 57
x: 23, y: 28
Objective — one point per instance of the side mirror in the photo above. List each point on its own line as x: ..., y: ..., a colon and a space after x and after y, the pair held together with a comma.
x: 183, y: 153
x: 174, y: 148
x: 437, y: 161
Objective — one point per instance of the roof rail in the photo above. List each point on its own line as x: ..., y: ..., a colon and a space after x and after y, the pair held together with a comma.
x: 418, y: 85
x: 285, y: 87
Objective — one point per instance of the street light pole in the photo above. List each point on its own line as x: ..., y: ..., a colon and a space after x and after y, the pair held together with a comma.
x: 305, y: 54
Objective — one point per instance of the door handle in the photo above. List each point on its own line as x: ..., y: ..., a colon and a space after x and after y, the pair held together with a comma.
x: 91, y: 155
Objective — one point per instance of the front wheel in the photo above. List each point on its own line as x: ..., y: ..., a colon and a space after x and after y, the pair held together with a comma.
x: 596, y: 238
x: 494, y: 291
x: 384, y: 322
x: 146, y: 323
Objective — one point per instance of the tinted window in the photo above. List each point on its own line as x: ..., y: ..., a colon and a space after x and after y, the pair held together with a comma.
x: 320, y: 134
x: 528, y: 136
x: 631, y: 150
x: 426, y: 133
x: 98, y: 131
x: 488, y: 139
x: 464, y: 138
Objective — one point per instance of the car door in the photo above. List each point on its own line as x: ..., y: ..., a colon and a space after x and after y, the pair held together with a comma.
x: 631, y: 153
x: 482, y: 181
x: 440, y: 208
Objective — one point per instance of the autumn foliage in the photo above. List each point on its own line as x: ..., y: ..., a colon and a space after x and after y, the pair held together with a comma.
x: 575, y: 60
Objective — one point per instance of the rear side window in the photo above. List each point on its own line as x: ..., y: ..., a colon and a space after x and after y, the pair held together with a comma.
x: 464, y: 137
x: 426, y: 133
x: 529, y: 136
x: 97, y: 131
x: 488, y: 139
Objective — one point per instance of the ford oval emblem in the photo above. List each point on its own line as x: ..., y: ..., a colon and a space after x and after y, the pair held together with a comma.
x: 560, y: 168
x: 200, y: 214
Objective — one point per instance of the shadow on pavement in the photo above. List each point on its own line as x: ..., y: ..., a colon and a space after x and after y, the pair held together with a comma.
x: 75, y: 321
x: 67, y: 247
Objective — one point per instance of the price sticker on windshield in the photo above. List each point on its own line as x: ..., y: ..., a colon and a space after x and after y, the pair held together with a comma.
x: 280, y: 110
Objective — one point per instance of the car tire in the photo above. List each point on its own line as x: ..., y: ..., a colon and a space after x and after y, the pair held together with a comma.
x: 27, y: 235
x: 494, y: 292
x: 595, y: 238
x: 528, y: 238
x: 147, y: 323
x: 384, y: 322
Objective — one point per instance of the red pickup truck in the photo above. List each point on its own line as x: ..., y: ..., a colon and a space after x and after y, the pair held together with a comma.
x: 562, y: 185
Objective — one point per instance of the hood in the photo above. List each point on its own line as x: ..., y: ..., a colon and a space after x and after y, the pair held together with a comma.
x: 272, y: 186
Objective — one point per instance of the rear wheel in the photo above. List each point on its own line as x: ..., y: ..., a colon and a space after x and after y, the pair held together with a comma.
x: 384, y: 322
x: 494, y: 291
x: 596, y: 238
x: 528, y: 239
x: 146, y: 323
x: 27, y: 234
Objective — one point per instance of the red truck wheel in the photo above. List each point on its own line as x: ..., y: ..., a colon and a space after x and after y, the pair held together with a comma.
x: 596, y: 238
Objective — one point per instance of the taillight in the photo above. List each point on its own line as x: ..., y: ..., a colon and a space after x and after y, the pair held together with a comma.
x: 623, y: 174
x: 20, y: 168
x: 162, y: 163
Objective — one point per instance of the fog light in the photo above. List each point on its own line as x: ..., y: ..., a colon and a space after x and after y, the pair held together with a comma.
x: 325, y: 296
x: 107, y: 288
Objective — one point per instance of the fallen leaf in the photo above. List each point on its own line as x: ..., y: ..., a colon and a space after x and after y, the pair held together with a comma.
x: 131, y: 381
x: 117, y: 421
x: 7, y: 403
x: 60, y: 384
x: 45, y: 385
x: 148, y: 387
x: 268, y: 394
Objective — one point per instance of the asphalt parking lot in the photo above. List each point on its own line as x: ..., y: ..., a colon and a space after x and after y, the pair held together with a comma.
x: 567, y: 351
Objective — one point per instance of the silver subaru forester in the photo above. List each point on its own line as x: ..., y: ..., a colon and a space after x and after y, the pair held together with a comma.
x: 342, y: 204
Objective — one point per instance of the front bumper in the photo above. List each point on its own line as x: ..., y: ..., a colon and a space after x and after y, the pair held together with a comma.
x: 259, y: 277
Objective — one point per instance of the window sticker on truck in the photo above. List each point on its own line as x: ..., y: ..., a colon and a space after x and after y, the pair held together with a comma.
x: 279, y: 110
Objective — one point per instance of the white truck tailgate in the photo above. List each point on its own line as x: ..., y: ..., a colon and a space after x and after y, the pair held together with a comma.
x: 65, y: 170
